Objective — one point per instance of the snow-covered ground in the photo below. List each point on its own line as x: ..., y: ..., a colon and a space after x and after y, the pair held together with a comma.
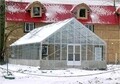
x: 32, y: 75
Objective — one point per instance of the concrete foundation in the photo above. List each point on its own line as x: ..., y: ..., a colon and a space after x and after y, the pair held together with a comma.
x: 59, y: 64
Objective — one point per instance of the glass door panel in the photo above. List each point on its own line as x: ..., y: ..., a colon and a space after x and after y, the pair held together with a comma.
x: 74, y: 55
x: 70, y: 55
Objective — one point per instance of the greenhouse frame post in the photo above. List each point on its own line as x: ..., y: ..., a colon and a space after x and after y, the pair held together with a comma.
x: 40, y: 53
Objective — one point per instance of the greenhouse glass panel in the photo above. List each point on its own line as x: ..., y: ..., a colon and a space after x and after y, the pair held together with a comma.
x: 64, y: 52
x: 57, y: 52
x: 83, y: 52
x: 71, y: 35
x: 51, y: 39
x: 51, y: 52
x: 57, y: 37
x: 90, y: 52
x: 64, y: 35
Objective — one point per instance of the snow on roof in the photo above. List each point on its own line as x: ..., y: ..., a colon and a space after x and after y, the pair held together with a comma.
x: 88, y: 2
x: 58, y: 12
x: 39, y: 34
x: 14, y: 9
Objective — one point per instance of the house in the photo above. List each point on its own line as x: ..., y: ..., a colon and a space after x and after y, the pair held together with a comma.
x: 103, y: 20
x: 63, y: 44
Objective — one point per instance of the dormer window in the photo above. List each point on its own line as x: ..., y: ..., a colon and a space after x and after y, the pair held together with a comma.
x: 36, y: 9
x: 36, y: 12
x: 81, y: 11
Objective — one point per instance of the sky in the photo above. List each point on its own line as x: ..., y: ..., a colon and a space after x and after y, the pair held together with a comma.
x: 89, y: 2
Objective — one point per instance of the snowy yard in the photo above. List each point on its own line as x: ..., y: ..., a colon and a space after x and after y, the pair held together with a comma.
x: 32, y: 75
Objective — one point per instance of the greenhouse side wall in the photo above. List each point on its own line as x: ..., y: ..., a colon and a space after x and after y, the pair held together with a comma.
x: 25, y: 54
x: 24, y: 62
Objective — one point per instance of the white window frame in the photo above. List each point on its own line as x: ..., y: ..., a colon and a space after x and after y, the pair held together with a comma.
x: 26, y: 30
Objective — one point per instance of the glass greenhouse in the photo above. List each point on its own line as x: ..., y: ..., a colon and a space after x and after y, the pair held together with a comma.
x: 64, y: 44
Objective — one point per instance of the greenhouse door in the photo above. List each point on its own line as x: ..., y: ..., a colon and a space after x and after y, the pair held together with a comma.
x: 73, y: 55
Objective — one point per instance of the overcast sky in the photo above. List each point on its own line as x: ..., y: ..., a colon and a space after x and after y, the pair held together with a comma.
x: 89, y: 2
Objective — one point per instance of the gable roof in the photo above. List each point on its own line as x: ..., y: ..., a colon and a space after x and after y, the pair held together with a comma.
x: 101, y: 14
x: 40, y: 34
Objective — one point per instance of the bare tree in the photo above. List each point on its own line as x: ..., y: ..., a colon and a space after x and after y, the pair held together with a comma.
x: 2, y: 28
x: 9, y: 31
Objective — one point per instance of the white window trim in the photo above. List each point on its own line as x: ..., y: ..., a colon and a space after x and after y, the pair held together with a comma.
x: 25, y: 29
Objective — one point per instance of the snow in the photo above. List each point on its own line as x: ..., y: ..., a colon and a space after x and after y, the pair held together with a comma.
x: 89, y: 2
x: 33, y: 75
x: 13, y: 9
x: 52, y: 12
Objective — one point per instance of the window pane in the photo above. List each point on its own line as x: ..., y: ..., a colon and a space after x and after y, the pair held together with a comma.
x: 77, y: 57
x: 77, y: 53
x: 57, y: 37
x: 90, y: 27
x: 29, y: 27
x: 36, y: 11
x: 44, y: 51
x: 51, y: 52
x: 83, y: 52
x: 82, y: 13
x: 70, y: 57
x: 64, y: 52
x: 57, y: 52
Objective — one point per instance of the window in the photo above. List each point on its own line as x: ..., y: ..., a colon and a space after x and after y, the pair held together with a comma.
x: 35, y: 9
x: 44, y: 50
x: 82, y: 13
x: 98, y: 53
x: 90, y: 27
x: 36, y: 12
x: 28, y: 27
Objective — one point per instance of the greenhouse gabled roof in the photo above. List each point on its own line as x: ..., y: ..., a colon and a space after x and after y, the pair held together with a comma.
x: 39, y: 34
x: 42, y: 33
